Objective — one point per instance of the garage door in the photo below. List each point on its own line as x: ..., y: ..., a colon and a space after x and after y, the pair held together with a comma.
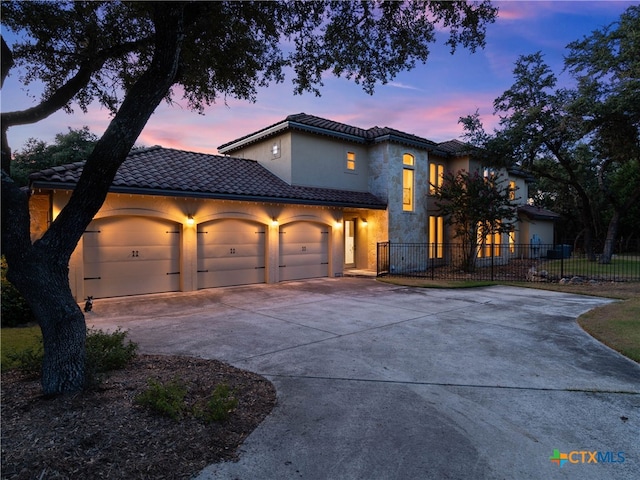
x: 131, y: 256
x: 304, y: 251
x: 231, y: 252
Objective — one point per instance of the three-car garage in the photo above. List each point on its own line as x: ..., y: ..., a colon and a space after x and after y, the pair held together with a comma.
x: 132, y: 255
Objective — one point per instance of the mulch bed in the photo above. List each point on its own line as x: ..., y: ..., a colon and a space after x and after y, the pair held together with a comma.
x: 102, y: 433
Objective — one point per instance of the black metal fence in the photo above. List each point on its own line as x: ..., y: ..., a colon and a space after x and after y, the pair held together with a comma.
x: 504, y: 262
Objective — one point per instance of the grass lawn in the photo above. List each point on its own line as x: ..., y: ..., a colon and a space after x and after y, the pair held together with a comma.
x: 621, y: 268
x: 15, y: 340
x: 617, y: 325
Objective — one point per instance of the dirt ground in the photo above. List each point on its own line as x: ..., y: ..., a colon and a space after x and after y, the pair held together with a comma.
x: 102, y: 433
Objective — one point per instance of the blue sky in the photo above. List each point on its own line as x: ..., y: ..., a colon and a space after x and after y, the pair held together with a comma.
x: 426, y: 101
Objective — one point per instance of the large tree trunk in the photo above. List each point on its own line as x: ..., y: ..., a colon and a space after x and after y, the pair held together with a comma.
x: 44, y: 283
x: 612, y: 234
x: 40, y: 271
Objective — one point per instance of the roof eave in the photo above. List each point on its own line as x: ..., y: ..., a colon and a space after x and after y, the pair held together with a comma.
x: 213, y: 196
x: 282, y: 127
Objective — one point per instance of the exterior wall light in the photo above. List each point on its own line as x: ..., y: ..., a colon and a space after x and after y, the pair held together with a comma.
x: 364, y: 222
x: 337, y: 224
x: 274, y: 222
x: 190, y: 220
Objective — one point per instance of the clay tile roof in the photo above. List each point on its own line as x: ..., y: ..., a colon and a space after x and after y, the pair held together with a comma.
x: 322, y: 126
x: 538, y: 213
x: 164, y: 171
x: 456, y: 147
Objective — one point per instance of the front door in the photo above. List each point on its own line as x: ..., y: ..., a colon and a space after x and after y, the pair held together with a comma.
x: 350, y: 243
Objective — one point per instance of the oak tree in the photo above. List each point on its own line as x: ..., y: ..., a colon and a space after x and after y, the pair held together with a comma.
x: 476, y: 207
x: 130, y: 56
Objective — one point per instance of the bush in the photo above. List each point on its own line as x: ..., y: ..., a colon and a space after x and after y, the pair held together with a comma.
x: 109, y: 351
x: 219, y: 406
x: 15, y: 310
x: 165, y: 399
x: 28, y: 360
x: 105, y: 352
x: 169, y: 399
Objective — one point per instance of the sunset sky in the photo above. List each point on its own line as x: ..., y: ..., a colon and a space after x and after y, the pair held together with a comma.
x: 426, y: 101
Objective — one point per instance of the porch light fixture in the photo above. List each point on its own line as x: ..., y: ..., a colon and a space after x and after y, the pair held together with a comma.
x: 274, y: 222
x: 337, y: 224
x: 364, y: 222
x: 190, y: 220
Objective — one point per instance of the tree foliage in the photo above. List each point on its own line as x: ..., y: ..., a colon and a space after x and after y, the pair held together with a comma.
x: 476, y: 207
x: 130, y: 56
x: 580, y: 141
x: 70, y: 147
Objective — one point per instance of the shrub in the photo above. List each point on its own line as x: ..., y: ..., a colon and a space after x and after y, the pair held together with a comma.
x: 105, y: 352
x: 15, y: 310
x: 28, y: 360
x: 109, y: 351
x: 165, y: 399
x: 219, y: 406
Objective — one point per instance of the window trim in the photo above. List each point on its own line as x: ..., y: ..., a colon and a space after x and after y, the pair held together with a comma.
x: 408, y: 167
x: 435, y: 169
x: 350, y: 159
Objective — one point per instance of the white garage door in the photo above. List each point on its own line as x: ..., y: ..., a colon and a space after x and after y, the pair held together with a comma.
x: 231, y: 252
x: 304, y: 251
x: 131, y: 256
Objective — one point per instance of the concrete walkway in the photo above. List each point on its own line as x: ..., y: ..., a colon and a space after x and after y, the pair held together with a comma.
x: 382, y: 382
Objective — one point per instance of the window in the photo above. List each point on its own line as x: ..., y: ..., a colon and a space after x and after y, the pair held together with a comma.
x: 436, y: 237
x: 407, y: 182
x: 436, y: 175
x: 512, y: 242
x: 351, y: 161
x: 489, y: 245
x: 275, y: 149
x: 512, y: 190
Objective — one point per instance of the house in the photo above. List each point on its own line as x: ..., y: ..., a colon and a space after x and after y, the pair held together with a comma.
x: 305, y: 197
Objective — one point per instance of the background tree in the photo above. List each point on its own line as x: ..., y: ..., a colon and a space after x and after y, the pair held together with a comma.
x: 581, y: 141
x: 476, y: 207
x: 70, y: 147
x: 129, y: 56
x: 607, y: 67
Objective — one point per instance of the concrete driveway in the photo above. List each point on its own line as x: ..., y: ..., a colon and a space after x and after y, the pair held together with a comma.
x: 382, y: 382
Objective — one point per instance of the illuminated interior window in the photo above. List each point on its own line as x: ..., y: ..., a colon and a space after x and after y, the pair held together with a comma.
x: 436, y: 236
x: 489, y: 245
x: 512, y: 190
x: 351, y: 161
x: 436, y: 175
x: 407, y: 159
x: 407, y: 190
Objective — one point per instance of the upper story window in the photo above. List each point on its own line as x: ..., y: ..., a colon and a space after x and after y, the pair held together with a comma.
x: 275, y: 149
x: 512, y: 190
x: 436, y: 175
x: 351, y: 161
x: 407, y: 182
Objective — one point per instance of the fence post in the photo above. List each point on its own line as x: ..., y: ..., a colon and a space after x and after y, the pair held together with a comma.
x: 493, y: 252
x: 433, y: 260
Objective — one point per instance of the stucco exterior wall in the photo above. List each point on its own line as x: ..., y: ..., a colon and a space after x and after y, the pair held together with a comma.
x: 279, y: 164
x: 321, y: 162
x: 40, y: 213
